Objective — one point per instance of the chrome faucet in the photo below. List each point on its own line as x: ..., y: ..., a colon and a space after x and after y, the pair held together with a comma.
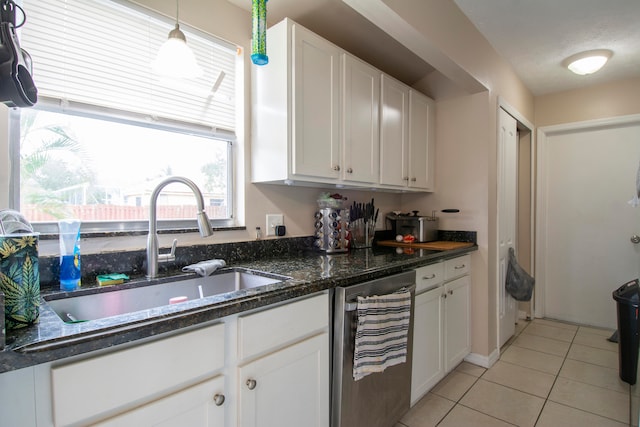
x: 153, y: 255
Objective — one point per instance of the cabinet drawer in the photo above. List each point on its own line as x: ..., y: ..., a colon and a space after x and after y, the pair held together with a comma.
x: 99, y: 386
x: 429, y: 276
x: 457, y: 267
x: 278, y: 326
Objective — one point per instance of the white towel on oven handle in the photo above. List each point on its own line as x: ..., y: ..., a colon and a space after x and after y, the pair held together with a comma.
x: 381, y: 332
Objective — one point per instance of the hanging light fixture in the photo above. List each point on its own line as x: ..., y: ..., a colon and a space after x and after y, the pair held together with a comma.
x: 588, y: 62
x: 175, y: 58
x: 259, y: 33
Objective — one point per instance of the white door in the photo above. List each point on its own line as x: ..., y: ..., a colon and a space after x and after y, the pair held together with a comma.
x: 588, y: 173
x: 507, y: 200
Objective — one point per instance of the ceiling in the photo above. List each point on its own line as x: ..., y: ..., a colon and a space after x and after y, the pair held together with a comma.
x: 535, y: 36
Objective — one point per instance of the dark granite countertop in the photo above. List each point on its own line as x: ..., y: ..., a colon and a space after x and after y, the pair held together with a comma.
x: 52, y: 339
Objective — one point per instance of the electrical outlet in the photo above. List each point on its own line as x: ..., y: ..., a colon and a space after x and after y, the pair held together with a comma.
x: 272, y: 221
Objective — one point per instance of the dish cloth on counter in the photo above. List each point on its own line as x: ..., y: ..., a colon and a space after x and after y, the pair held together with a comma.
x: 381, y: 332
x: 205, y: 268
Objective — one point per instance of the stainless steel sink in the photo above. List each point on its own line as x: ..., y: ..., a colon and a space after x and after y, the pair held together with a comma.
x: 115, y: 301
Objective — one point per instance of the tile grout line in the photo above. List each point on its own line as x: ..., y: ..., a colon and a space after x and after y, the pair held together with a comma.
x: 457, y: 402
x: 564, y: 359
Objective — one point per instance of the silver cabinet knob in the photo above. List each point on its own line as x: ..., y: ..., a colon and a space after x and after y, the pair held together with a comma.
x: 451, y: 292
x: 406, y: 178
x: 251, y: 384
x: 432, y: 276
x: 458, y: 267
x: 336, y: 168
x: 414, y: 179
x: 444, y: 295
x: 218, y: 399
x: 349, y: 170
x: 635, y: 239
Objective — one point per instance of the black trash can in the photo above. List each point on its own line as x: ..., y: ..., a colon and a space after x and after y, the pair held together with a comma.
x: 627, y: 299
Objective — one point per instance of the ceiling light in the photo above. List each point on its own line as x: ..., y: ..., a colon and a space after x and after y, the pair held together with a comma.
x: 587, y: 62
x: 175, y: 58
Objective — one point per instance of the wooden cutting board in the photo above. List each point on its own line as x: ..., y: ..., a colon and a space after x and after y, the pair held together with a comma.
x: 438, y: 246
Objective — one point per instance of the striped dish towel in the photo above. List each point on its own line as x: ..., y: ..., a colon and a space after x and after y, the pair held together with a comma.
x: 381, y: 333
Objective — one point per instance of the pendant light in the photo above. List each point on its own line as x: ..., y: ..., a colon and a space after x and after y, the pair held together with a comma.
x: 175, y: 58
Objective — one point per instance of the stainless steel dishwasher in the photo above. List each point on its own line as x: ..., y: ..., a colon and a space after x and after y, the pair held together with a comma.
x: 379, y: 399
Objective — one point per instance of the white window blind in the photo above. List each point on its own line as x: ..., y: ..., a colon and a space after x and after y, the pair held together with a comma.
x: 99, y: 52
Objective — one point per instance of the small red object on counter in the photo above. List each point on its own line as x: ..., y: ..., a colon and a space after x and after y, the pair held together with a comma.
x: 409, y: 238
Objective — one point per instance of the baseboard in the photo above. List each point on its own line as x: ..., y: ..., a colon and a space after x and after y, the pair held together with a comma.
x: 484, y: 361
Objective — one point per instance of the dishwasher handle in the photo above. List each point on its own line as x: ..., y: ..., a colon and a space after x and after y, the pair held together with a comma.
x: 353, y: 305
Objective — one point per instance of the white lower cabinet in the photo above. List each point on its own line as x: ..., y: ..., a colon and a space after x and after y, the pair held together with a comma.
x: 269, y: 367
x: 428, y: 359
x: 283, y: 365
x: 17, y: 400
x: 201, y: 405
x: 288, y: 388
x: 441, y: 335
x: 456, y: 323
x: 93, y: 389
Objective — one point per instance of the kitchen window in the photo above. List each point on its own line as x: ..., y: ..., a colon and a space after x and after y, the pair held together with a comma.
x: 106, y: 129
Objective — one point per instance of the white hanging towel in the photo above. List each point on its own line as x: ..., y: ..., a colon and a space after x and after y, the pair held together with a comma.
x: 381, y: 333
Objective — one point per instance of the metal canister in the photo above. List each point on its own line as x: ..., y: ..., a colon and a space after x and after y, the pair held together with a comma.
x: 331, y: 230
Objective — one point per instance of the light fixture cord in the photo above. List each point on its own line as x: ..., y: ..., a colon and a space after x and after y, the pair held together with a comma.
x: 177, y: 12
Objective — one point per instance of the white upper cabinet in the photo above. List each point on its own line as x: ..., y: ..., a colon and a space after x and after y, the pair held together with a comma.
x: 361, y: 129
x: 394, y: 133
x: 316, y: 119
x: 421, y: 141
x: 296, y: 108
x: 407, y: 143
x: 315, y: 87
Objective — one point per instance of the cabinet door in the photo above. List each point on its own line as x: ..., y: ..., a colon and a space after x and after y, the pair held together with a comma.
x: 428, y: 363
x: 201, y: 405
x: 288, y: 388
x: 98, y: 386
x: 456, y: 310
x: 17, y: 394
x: 394, y: 133
x: 361, y: 131
x: 315, y: 117
x: 422, y: 141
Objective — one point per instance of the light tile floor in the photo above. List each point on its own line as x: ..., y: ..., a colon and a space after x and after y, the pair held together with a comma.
x: 549, y: 374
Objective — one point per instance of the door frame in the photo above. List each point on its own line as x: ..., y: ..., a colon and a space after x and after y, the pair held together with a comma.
x: 523, y: 125
x: 543, y: 135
